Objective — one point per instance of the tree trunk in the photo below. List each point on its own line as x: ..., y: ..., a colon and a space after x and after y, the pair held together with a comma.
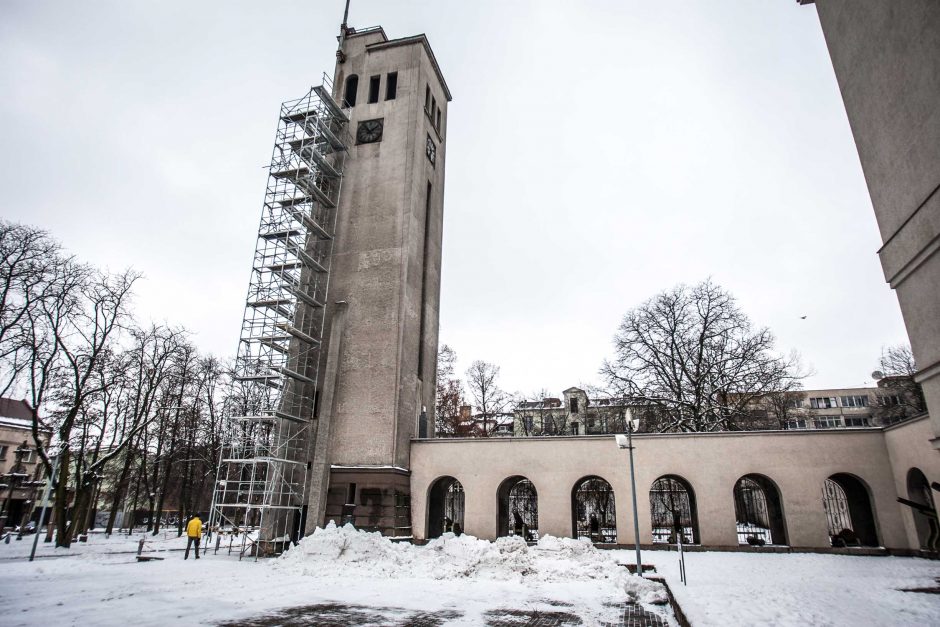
x: 130, y: 525
x: 183, y: 504
x: 63, y: 538
x: 119, y: 491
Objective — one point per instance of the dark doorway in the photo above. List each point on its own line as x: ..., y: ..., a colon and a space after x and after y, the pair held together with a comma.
x: 758, y: 511
x: 445, y: 507
x: 594, y: 510
x: 849, y: 513
x: 918, y: 490
x: 518, y: 509
x: 673, y: 512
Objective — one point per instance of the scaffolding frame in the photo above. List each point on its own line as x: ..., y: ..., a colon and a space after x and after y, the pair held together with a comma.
x: 259, y: 495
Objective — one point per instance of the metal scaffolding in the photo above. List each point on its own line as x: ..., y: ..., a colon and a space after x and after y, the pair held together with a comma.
x: 260, y: 488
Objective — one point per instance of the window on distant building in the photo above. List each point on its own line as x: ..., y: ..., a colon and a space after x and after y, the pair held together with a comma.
x: 854, y: 401
x: 823, y: 402
x: 374, y: 84
x: 427, y: 99
x: 574, y: 406
x: 433, y: 107
x: 574, y: 428
x: 795, y: 403
x: 857, y: 421
x: 828, y: 422
x: 796, y: 424
x: 3, y: 451
x: 891, y: 399
x: 391, y: 85
x: 437, y: 122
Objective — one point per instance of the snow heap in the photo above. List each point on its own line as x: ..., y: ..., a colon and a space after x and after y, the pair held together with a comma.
x: 349, y: 552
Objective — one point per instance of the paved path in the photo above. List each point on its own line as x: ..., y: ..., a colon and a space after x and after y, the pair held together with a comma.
x: 335, y: 615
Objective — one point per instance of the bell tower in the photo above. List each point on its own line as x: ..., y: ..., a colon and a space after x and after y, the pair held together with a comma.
x: 379, y: 364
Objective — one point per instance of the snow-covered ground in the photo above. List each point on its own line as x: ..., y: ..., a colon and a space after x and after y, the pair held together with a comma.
x: 800, y: 588
x: 95, y: 584
x: 344, y: 566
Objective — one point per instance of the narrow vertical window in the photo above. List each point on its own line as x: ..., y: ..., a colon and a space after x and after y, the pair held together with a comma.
x: 437, y: 122
x: 427, y: 98
x: 433, y: 107
x: 374, y: 83
x: 391, y: 85
x: 424, y: 280
x: 352, y: 86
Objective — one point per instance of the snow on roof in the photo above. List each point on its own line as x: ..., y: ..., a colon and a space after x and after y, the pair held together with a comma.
x: 16, y: 423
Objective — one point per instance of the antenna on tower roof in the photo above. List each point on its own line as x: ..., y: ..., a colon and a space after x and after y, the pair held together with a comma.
x: 340, y: 54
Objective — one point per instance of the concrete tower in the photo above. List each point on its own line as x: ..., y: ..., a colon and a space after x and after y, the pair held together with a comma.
x: 382, y: 317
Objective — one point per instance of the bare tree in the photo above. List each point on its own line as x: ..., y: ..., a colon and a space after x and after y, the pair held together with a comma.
x: 694, y: 356
x: 540, y: 415
x: 449, y: 394
x: 30, y: 263
x: 901, y: 396
x: 134, y: 408
x: 490, y: 400
x: 84, y: 327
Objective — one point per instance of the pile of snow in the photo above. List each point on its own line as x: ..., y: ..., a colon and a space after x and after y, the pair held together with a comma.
x: 349, y: 552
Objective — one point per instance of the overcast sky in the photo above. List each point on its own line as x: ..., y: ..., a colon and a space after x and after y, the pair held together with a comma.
x: 598, y: 153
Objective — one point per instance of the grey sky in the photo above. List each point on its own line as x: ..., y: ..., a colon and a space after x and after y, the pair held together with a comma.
x: 598, y: 152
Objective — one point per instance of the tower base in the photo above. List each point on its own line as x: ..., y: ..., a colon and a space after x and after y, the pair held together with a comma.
x: 372, y: 498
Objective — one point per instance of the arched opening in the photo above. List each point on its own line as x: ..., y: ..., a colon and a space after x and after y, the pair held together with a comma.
x: 445, y: 507
x: 758, y: 511
x: 349, y: 93
x: 518, y: 509
x: 594, y: 510
x: 925, y: 520
x: 673, y: 512
x: 849, y: 513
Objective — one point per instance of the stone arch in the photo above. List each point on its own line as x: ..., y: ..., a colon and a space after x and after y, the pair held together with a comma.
x: 517, y: 508
x: 849, y: 513
x: 919, y: 491
x: 673, y: 511
x: 445, y: 506
x: 594, y: 510
x: 758, y: 511
x: 350, y: 90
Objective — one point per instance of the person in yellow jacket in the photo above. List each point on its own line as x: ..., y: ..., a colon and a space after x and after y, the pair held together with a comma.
x: 193, y: 535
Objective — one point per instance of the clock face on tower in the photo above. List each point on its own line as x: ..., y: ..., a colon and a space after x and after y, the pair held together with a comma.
x: 370, y: 131
x: 431, y: 150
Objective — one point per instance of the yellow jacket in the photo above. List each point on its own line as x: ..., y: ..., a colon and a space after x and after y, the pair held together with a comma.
x: 194, y: 528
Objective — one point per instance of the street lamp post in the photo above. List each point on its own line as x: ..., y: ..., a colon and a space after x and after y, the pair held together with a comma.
x: 627, y: 443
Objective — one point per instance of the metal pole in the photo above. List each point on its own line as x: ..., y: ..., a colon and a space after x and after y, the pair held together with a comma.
x: 636, y: 519
x: 45, y: 504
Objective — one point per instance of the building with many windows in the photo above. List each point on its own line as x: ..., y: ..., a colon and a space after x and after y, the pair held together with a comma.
x: 574, y: 414
x: 21, y: 471
x: 893, y: 400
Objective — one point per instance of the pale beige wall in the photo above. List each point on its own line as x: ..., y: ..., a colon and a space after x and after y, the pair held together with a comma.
x: 891, y: 92
x: 797, y: 461
x: 907, y: 449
